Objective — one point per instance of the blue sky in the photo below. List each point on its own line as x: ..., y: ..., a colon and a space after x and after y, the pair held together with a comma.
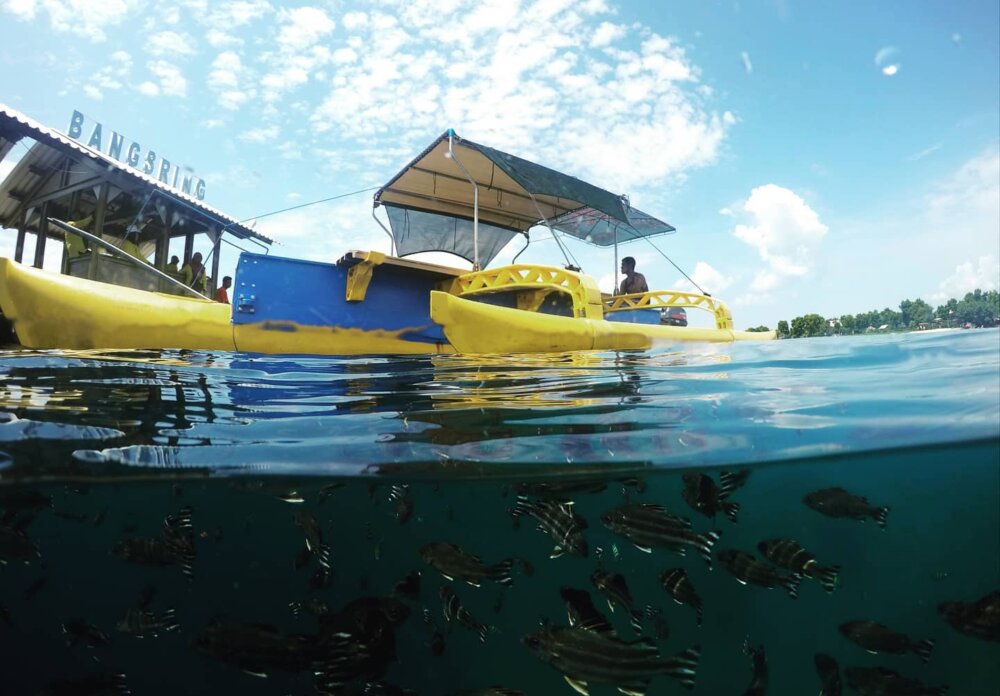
x: 827, y: 157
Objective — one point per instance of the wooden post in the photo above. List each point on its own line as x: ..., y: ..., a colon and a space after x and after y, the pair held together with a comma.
x: 22, y: 232
x: 99, y: 212
x: 214, y: 234
x: 43, y: 233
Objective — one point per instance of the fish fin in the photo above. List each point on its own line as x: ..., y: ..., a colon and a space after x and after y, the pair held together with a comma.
x: 261, y: 675
x: 611, y: 606
x: 557, y: 552
x: 923, y: 648
x: 644, y: 549
x: 471, y: 582
x: 501, y: 572
x: 731, y: 509
x: 579, y: 686
x: 636, y: 690
x: 324, y: 556
x: 829, y: 577
x: 446, y: 576
x: 880, y: 516
x: 484, y: 631
x: 705, y: 543
x: 684, y: 666
x: 791, y: 584
x: 635, y: 621
x: 729, y: 481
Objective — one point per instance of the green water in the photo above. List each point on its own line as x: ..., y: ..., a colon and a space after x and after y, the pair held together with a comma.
x: 942, y: 543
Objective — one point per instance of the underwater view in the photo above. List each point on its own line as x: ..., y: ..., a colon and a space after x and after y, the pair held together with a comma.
x: 792, y: 517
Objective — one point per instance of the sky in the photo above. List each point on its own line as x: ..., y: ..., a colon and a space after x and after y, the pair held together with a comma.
x: 814, y: 157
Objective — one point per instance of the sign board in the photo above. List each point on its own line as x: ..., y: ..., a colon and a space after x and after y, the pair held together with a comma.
x: 146, y: 161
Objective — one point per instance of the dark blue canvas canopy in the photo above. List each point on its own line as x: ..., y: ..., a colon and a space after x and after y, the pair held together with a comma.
x: 431, y: 203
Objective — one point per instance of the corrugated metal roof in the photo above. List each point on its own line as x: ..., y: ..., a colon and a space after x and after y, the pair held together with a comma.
x: 51, y: 146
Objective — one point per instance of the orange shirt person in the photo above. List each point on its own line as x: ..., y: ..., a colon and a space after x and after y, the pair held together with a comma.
x: 221, y: 295
x: 634, y: 282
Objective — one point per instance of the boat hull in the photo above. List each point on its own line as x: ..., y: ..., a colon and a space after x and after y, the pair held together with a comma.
x: 475, y: 327
x: 50, y: 310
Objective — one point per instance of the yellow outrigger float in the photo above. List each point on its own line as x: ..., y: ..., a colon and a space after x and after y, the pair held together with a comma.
x: 456, y: 196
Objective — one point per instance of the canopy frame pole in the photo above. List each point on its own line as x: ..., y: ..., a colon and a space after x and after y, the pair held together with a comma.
x: 392, y: 239
x: 475, y: 201
x: 551, y: 230
x: 615, y: 270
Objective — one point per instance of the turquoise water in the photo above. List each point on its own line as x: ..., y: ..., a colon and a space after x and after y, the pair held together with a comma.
x: 119, y: 441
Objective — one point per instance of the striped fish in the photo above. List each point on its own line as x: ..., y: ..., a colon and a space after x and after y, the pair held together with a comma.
x: 748, y: 569
x: 647, y: 525
x: 758, y: 683
x: 582, y: 613
x: 558, y: 520
x: 701, y: 493
x: 454, y: 611
x: 452, y: 562
x: 789, y: 554
x: 144, y: 624
x: 615, y: 589
x: 876, y: 638
x: 829, y: 675
x: 678, y: 584
x: 588, y: 656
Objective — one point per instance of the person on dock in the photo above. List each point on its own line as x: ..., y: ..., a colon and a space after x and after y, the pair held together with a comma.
x: 221, y: 295
x: 172, y: 266
x: 634, y: 282
x: 129, y: 245
x: 75, y: 244
x: 194, y: 273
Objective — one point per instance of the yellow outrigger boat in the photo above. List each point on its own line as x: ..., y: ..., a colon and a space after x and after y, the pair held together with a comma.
x: 457, y: 196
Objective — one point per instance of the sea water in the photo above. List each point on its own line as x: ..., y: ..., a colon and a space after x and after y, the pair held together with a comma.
x: 100, y: 447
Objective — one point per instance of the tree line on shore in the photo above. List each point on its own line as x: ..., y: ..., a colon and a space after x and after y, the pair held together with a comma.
x: 977, y: 308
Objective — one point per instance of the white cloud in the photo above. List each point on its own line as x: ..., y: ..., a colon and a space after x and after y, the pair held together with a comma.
x: 230, y: 15
x: 303, y: 27
x: 747, y: 65
x: 327, y: 241
x: 982, y: 274
x: 606, y: 34
x: 229, y: 79
x: 22, y: 9
x: 87, y: 19
x: 916, y: 156
x: 785, y: 232
x: 170, y: 43
x: 220, y: 39
x: 111, y: 77
x: 354, y: 20
x: 975, y: 187
x: 171, y: 81
x: 627, y: 114
x: 707, y: 278
x: 297, y: 55
x: 260, y: 135
x: 149, y: 89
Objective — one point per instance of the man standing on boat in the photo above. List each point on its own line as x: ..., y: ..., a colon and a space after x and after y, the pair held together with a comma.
x: 634, y: 282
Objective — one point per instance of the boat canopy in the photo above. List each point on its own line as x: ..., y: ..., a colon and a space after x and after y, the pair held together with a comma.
x: 431, y: 203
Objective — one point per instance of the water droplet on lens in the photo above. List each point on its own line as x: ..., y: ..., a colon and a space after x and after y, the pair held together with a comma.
x: 887, y: 60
